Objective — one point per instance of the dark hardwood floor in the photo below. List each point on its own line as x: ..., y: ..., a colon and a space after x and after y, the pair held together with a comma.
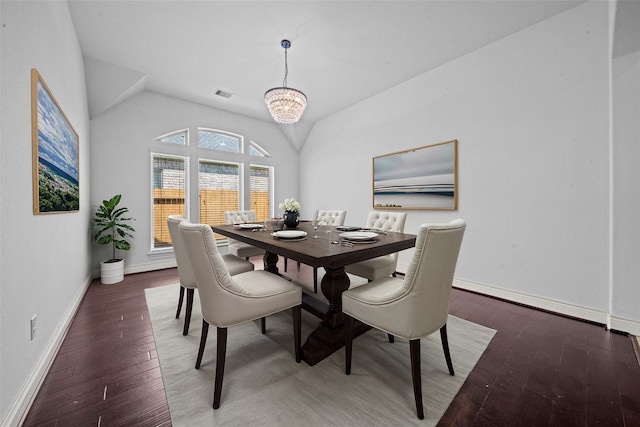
x: 539, y: 370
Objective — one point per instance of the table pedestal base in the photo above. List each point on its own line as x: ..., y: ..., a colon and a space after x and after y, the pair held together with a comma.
x: 329, y: 336
x: 323, y: 342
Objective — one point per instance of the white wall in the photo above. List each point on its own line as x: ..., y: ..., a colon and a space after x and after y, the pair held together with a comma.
x: 625, y: 302
x: 531, y: 113
x: 123, y: 138
x: 45, y: 259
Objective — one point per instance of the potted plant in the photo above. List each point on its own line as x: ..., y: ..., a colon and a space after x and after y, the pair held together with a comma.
x: 112, y: 228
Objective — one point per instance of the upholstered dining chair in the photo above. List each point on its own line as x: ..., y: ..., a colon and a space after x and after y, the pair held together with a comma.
x: 237, y: 248
x: 228, y: 300
x: 324, y: 217
x: 385, y: 265
x: 413, y: 307
x: 187, y: 279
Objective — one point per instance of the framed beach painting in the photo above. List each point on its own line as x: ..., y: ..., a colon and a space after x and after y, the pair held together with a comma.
x: 418, y: 178
x: 55, y: 153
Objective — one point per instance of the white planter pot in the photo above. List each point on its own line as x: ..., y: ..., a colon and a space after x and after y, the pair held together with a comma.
x: 111, y: 272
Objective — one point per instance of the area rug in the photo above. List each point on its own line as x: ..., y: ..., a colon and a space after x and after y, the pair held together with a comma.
x: 263, y: 386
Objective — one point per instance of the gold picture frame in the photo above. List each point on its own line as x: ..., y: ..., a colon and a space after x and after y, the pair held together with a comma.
x: 424, y: 178
x: 55, y: 151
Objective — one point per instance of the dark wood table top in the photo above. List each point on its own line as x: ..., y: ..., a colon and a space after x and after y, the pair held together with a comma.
x: 320, y: 252
x: 329, y: 335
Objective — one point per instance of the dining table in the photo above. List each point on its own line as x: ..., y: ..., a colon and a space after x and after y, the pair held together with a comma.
x: 324, y: 248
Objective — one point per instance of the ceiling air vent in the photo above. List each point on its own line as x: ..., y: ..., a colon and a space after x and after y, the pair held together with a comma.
x: 223, y: 94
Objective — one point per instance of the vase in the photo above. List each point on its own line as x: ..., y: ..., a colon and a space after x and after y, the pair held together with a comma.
x: 290, y: 219
x: 111, y: 271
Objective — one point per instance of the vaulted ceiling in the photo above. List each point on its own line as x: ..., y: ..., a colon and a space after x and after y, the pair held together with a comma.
x: 342, y: 51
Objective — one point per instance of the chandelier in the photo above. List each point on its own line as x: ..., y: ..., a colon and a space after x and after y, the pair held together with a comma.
x: 285, y: 104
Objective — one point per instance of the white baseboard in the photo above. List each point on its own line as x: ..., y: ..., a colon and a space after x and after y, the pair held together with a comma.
x: 150, y: 266
x: 535, y: 301
x: 612, y: 322
x: 18, y: 409
x: 625, y: 325
x: 589, y: 314
x: 141, y: 268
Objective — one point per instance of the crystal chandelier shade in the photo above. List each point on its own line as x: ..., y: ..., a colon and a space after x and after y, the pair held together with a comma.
x: 285, y: 104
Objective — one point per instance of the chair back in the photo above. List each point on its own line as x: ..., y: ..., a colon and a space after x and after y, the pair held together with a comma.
x: 219, y: 293
x: 236, y: 217
x: 387, y: 221
x: 185, y: 272
x: 335, y: 217
x: 430, y: 273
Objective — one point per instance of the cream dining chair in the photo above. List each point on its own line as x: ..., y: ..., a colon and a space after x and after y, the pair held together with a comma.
x: 228, y: 300
x: 413, y: 307
x: 324, y: 217
x: 385, y: 265
x: 234, y: 264
x: 237, y: 248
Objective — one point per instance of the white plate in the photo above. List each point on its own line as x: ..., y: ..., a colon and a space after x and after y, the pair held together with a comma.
x: 359, y: 235
x: 289, y: 234
x: 248, y: 226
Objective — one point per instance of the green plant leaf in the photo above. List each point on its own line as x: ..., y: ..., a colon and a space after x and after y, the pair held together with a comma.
x: 109, y: 222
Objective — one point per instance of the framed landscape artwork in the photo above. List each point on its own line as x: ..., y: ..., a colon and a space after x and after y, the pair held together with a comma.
x: 55, y: 153
x: 418, y: 178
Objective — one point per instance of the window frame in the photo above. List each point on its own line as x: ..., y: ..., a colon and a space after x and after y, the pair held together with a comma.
x: 187, y: 193
x: 227, y: 162
x: 193, y: 154
x: 271, y: 185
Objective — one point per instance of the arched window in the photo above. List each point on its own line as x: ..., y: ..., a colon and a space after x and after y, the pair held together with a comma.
x: 256, y: 150
x: 219, y: 140
x: 180, y: 137
x: 220, y: 162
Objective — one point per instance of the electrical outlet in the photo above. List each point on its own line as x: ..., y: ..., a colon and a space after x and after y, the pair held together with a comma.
x: 33, y: 327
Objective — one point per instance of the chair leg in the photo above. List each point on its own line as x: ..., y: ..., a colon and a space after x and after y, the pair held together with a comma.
x: 414, y: 348
x: 263, y: 325
x: 315, y: 279
x: 392, y: 339
x: 180, y: 299
x: 187, y: 315
x: 285, y: 265
x: 221, y: 352
x: 203, y: 342
x: 445, y: 347
x: 348, y: 343
x: 298, y: 265
x: 297, y: 332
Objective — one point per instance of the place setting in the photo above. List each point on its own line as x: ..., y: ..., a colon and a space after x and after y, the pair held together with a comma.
x: 249, y: 226
x: 353, y: 229
x: 357, y: 237
x: 290, y: 235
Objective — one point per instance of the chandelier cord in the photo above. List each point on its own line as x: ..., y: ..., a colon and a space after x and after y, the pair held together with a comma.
x: 286, y: 68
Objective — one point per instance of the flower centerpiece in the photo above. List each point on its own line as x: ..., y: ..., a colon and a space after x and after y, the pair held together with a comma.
x: 291, y: 208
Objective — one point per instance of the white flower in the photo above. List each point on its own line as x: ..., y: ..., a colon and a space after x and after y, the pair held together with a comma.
x: 291, y: 205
